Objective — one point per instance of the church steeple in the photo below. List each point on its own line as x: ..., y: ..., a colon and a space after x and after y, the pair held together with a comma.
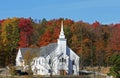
x: 62, y: 42
x: 62, y: 36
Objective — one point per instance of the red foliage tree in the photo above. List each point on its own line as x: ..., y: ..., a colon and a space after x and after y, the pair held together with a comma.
x: 1, y: 21
x: 45, y: 39
x: 115, y: 41
x: 51, y: 33
x: 26, y: 29
x: 96, y: 24
x: 56, y: 32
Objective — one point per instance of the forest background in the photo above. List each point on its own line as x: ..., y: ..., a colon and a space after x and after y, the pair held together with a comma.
x: 95, y: 43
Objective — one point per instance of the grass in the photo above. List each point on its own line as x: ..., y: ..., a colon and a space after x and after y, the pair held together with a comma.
x: 83, y: 76
x: 103, y: 70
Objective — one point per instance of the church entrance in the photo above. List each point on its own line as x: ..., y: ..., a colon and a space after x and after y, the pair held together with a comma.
x: 63, y: 72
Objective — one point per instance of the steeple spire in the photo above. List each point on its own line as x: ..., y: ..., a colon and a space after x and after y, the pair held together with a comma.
x: 62, y: 26
x: 62, y: 36
x: 62, y: 41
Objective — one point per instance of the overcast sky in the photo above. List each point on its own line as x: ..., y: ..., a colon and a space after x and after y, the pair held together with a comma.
x: 104, y: 11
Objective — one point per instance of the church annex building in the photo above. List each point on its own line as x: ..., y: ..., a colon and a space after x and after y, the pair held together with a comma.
x: 55, y: 58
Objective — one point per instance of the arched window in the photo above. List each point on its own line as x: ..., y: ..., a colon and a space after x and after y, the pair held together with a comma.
x: 20, y: 58
x: 49, y: 71
x: 72, y: 71
x: 49, y: 61
x: 73, y: 62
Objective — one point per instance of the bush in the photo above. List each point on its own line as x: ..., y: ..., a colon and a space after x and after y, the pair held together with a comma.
x: 115, y: 68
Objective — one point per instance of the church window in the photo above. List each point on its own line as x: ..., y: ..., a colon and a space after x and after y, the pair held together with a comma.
x: 72, y: 71
x: 62, y: 60
x: 20, y: 58
x: 73, y: 62
x: 50, y: 61
x: 49, y: 71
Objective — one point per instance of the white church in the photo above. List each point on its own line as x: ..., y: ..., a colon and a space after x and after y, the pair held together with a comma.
x: 53, y: 59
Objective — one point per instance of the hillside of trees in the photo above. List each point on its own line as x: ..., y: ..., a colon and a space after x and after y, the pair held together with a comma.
x: 95, y: 43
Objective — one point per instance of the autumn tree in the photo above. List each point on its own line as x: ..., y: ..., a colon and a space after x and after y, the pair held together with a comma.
x: 51, y: 32
x: 39, y: 29
x: 1, y: 46
x: 115, y: 40
x: 10, y: 38
x: 26, y: 30
x: 96, y: 24
x: 0, y: 34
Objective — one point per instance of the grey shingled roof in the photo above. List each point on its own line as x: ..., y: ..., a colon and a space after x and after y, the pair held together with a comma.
x: 43, y: 51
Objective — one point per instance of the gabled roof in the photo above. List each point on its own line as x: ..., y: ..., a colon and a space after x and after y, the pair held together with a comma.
x: 68, y: 52
x: 43, y: 51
